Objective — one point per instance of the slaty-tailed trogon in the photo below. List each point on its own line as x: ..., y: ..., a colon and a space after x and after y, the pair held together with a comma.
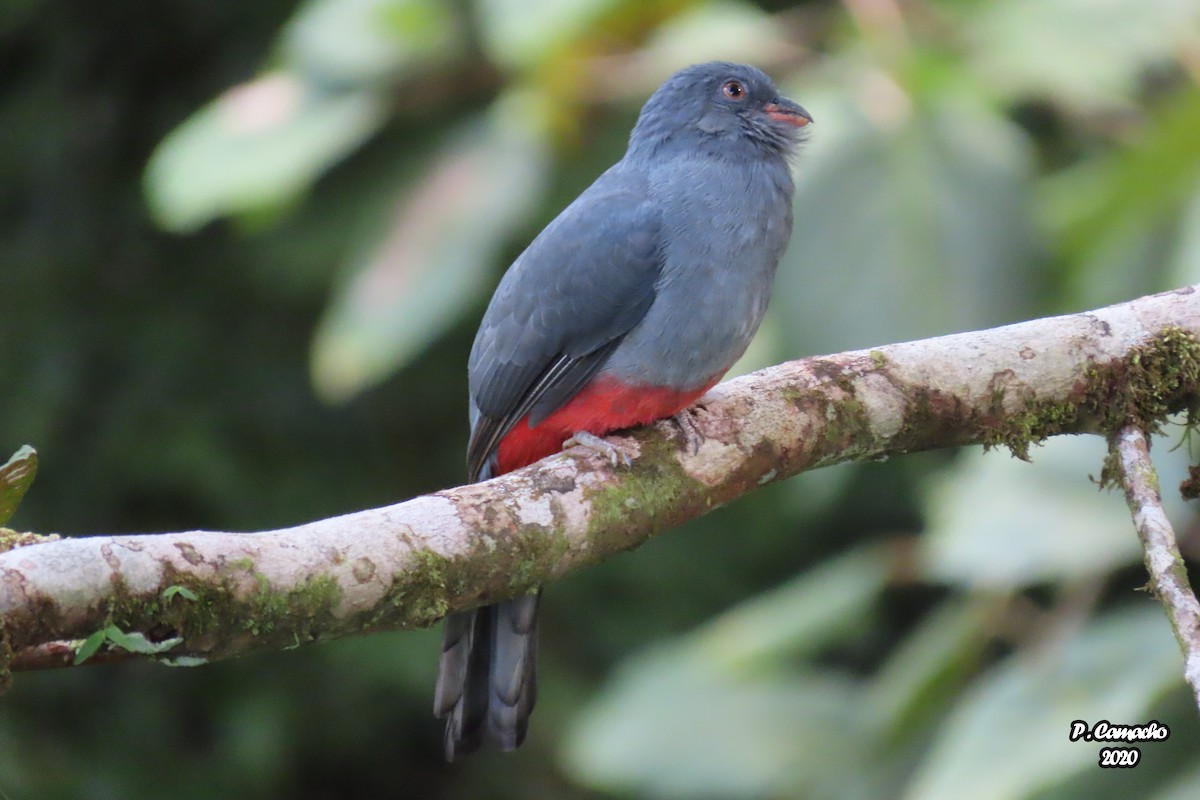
x: 633, y: 302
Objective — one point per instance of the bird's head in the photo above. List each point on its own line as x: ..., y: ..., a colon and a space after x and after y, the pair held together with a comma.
x: 723, y: 107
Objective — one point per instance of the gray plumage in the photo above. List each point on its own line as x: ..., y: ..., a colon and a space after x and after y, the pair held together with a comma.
x: 658, y: 275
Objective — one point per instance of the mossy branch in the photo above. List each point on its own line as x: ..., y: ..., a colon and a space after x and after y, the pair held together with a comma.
x: 407, y: 565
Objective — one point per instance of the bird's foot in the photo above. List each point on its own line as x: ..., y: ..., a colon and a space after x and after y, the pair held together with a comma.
x: 590, y: 441
x: 692, y: 435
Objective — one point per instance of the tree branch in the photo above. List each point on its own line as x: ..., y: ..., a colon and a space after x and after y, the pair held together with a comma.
x: 1168, y: 574
x: 409, y: 564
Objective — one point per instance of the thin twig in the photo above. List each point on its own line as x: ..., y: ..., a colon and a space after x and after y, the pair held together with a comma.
x: 1168, y: 574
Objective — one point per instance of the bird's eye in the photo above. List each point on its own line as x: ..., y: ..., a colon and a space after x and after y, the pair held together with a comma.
x: 734, y: 90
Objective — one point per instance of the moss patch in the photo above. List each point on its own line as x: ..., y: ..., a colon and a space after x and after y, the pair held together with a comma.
x: 1032, y: 425
x: 276, y: 615
x: 422, y: 600
x: 1190, y: 487
x: 648, y: 498
x: 1155, y: 380
x: 534, y: 559
x: 424, y: 593
x: 935, y: 416
x: 299, y: 611
x: 848, y: 422
x: 844, y: 421
x: 11, y: 540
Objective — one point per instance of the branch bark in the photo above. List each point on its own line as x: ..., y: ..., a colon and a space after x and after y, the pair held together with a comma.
x: 408, y: 564
x: 1168, y: 574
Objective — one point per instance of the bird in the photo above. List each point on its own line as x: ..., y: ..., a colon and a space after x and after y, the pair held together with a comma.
x: 631, y: 304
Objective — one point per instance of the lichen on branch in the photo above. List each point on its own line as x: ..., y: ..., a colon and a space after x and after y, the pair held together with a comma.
x: 407, y: 565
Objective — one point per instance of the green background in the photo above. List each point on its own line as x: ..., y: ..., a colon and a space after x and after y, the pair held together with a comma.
x: 244, y: 246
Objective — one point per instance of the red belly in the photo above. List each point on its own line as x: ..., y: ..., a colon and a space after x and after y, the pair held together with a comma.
x: 602, y: 406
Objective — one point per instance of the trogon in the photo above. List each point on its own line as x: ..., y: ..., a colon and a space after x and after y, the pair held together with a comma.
x: 630, y: 304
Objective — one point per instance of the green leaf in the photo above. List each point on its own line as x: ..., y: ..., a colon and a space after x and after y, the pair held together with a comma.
x: 90, y: 645
x: 137, y: 643
x: 1113, y: 668
x: 256, y: 147
x: 1186, y: 787
x: 712, y: 713
x: 356, y: 42
x: 999, y: 522
x: 804, y: 614
x: 15, y: 477
x: 669, y: 726
x: 714, y: 31
x: 182, y: 591
x: 1079, y: 52
x: 1185, y: 265
x: 929, y: 664
x: 520, y: 33
x: 439, y: 255
x: 914, y: 215
x: 261, y: 144
x: 1118, y: 217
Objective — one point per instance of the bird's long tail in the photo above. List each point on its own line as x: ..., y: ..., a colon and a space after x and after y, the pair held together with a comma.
x: 487, y: 678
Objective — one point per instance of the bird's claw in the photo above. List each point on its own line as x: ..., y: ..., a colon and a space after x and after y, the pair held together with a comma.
x: 692, y: 435
x: 590, y: 441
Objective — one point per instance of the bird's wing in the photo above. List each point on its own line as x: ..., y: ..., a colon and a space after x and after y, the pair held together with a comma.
x: 559, y: 312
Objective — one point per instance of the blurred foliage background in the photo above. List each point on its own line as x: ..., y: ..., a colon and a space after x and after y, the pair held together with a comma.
x: 243, y: 248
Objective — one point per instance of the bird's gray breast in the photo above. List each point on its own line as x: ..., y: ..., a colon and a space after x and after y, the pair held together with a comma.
x: 725, y: 226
